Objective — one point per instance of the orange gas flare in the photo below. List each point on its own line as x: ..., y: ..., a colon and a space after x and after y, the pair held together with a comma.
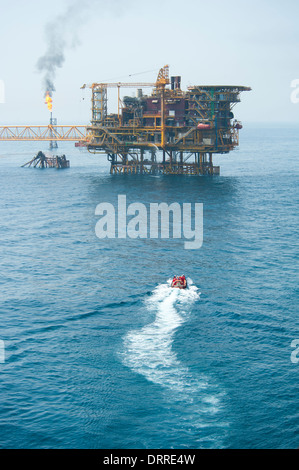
x: 48, y: 101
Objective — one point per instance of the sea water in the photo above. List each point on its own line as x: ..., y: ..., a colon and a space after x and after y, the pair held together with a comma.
x: 100, y: 352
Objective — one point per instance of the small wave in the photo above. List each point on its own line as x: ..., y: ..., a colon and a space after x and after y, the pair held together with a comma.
x: 148, y: 351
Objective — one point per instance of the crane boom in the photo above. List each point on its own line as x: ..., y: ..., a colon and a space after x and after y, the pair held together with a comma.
x: 116, y: 85
x: 162, y: 80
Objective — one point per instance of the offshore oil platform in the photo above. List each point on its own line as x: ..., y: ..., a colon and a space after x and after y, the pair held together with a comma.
x: 170, y: 131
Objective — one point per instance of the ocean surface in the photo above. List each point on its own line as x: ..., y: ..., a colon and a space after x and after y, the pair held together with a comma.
x: 101, y: 353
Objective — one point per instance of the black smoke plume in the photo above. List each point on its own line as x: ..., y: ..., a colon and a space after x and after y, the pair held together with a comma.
x: 60, y: 34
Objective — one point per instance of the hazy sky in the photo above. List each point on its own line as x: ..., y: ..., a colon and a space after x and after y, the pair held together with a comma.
x: 244, y: 42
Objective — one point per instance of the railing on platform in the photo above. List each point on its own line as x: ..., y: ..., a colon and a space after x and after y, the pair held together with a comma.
x: 43, y: 133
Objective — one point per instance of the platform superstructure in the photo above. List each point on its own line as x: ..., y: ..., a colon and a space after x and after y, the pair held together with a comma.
x: 169, y: 131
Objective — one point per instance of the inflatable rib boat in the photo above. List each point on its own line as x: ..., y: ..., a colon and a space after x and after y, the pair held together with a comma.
x: 179, y: 282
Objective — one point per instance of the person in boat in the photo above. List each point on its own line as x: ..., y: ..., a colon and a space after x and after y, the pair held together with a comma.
x: 177, y: 280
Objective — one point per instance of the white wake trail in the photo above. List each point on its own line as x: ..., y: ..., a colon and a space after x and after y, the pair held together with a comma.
x: 148, y: 351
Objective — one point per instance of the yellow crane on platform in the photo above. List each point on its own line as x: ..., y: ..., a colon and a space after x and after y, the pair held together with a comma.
x: 159, y: 84
x: 162, y: 80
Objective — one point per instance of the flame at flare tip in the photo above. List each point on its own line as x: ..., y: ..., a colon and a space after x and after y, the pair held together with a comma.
x: 48, y: 101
